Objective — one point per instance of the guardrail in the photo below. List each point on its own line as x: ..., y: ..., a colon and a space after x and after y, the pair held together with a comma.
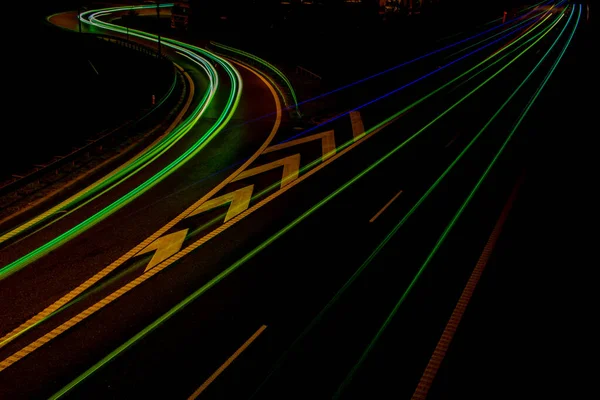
x: 60, y: 161
x: 130, y: 45
x: 277, y: 78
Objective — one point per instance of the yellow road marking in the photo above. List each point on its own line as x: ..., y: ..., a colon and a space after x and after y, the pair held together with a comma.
x: 227, y: 363
x: 165, y: 247
x: 327, y: 142
x: 358, y: 128
x: 58, y: 207
x: 142, y: 278
x: 385, y: 207
x: 291, y: 169
x: 437, y: 357
x: 117, y: 263
x: 239, y: 199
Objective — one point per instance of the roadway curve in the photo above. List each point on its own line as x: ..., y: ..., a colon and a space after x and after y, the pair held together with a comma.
x: 196, y: 176
x: 373, y: 224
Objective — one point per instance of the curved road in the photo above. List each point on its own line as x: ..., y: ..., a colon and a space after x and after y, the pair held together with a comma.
x: 320, y: 262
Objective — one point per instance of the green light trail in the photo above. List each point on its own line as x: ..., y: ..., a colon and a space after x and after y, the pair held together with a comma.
x: 222, y: 275
x: 122, y: 30
x: 118, y: 176
x: 364, y: 265
x: 452, y: 223
x: 316, y: 162
x: 266, y: 64
x: 447, y: 170
x: 222, y: 120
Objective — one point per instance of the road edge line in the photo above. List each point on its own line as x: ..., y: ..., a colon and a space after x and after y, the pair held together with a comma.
x: 443, y: 344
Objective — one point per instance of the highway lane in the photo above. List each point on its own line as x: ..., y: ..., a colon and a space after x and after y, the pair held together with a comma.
x: 305, y: 382
x: 514, y: 311
x: 272, y: 215
x: 396, y: 363
x: 198, y: 177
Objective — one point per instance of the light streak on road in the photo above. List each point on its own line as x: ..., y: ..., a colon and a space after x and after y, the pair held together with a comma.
x: 397, y: 66
x: 409, y: 62
x: 348, y: 143
x: 499, y: 33
x: 470, y: 196
x: 281, y: 232
x: 121, y: 174
x: 222, y: 120
x: 94, y: 20
x: 78, y: 294
x: 367, y: 262
x: 268, y: 66
x: 510, y: 32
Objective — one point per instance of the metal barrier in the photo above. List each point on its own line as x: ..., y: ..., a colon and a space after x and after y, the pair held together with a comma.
x: 130, y: 45
x: 60, y: 161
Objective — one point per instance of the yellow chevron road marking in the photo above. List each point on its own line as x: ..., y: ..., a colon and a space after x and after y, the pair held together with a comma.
x: 65, y: 299
x: 165, y: 247
x: 327, y: 142
x: 291, y: 168
x: 290, y: 175
x: 240, y: 199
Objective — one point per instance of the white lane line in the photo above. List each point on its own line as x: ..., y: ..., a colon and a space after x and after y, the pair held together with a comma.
x: 386, y: 206
x: 227, y: 363
x: 95, y: 70
x: 452, y: 141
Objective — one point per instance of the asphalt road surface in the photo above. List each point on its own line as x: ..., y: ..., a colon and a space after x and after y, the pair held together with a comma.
x: 317, y: 262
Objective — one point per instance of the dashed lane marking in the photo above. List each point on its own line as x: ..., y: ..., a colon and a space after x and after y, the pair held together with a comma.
x: 227, y: 363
